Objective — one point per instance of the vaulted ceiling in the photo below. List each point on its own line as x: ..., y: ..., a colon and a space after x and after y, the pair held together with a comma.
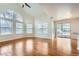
x: 61, y: 10
x: 56, y: 10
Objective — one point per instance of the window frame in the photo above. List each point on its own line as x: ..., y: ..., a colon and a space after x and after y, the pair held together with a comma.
x: 5, y: 19
x: 27, y: 28
x: 42, y: 28
x: 19, y: 28
x: 13, y: 21
x: 67, y: 30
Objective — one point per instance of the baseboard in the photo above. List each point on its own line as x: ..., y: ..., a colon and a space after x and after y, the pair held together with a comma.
x: 23, y: 37
x: 15, y: 38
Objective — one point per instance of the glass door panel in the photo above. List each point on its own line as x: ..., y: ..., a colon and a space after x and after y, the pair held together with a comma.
x: 59, y: 31
x: 63, y: 30
x: 66, y: 30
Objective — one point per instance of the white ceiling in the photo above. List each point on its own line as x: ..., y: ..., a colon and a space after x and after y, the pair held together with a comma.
x: 61, y: 10
x: 35, y: 9
x: 55, y: 10
x: 58, y: 11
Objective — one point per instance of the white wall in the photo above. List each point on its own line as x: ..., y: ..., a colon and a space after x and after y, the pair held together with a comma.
x: 17, y: 8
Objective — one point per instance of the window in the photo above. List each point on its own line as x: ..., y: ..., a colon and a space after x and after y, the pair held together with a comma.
x: 59, y: 29
x: 19, y: 23
x: 5, y: 22
x: 1, y: 15
x: 66, y: 27
x: 29, y: 28
x: 63, y: 30
x: 5, y: 26
x: 18, y: 17
x: 7, y: 19
x: 43, y: 28
x: 8, y: 14
x: 40, y: 29
x: 19, y: 28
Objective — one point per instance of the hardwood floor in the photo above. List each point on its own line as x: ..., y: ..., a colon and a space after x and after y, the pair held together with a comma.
x: 39, y: 47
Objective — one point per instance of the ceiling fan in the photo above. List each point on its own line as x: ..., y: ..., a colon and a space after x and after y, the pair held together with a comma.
x: 25, y: 4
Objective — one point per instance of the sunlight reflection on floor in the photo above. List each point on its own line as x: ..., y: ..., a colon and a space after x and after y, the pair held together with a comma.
x: 64, y: 44
x: 45, y: 48
x: 6, y: 50
x: 19, y: 48
x: 29, y: 45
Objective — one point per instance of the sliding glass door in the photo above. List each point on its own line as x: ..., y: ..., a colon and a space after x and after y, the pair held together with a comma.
x: 66, y: 30
x: 59, y: 31
x: 63, y: 30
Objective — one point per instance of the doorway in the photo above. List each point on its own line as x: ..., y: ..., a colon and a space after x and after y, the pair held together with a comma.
x: 63, y: 30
